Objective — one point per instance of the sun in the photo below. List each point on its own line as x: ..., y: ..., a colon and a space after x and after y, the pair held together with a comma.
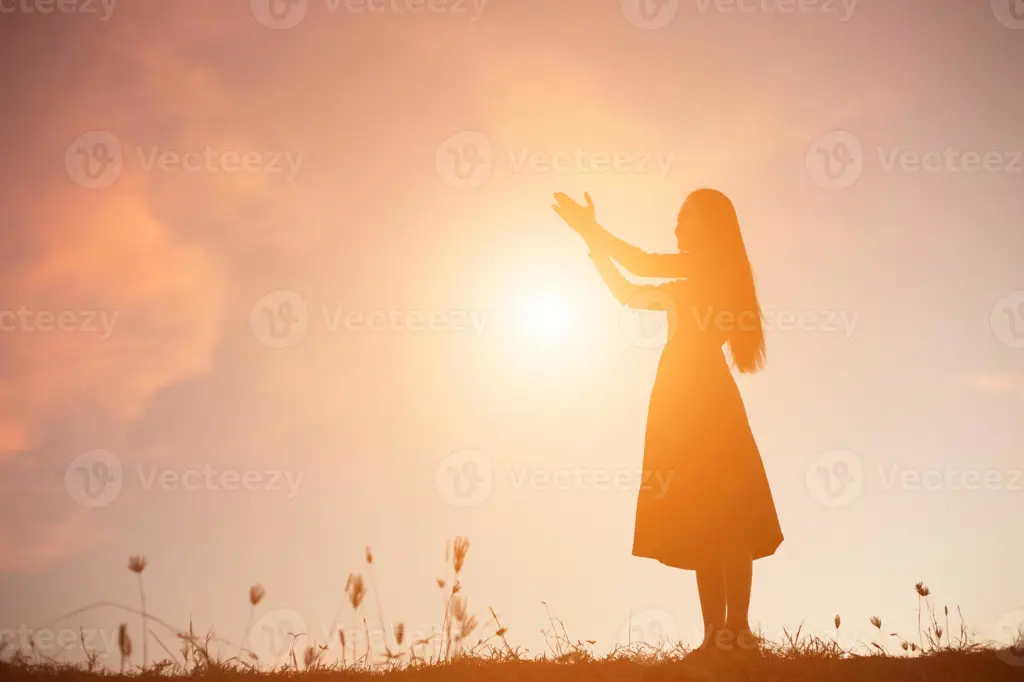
x: 546, y: 316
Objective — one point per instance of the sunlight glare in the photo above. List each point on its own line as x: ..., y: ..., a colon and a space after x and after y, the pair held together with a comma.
x: 546, y: 316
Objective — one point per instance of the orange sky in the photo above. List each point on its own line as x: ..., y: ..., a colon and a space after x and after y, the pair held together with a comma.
x: 446, y: 317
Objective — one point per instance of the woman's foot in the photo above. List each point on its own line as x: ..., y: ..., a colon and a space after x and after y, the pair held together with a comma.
x: 731, y: 639
x: 745, y: 641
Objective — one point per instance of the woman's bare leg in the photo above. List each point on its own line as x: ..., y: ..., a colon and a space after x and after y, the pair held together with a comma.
x: 711, y: 587
x: 739, y: 572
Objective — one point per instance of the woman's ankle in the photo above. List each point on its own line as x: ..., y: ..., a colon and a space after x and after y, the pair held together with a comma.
x: 744, y: 638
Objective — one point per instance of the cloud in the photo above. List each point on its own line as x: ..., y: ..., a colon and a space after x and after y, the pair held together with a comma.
x: 1004, y: 382
x: 104, y: 299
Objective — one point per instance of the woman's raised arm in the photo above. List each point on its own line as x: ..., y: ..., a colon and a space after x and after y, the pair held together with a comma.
x: 636, y: 260
x: 640, y: 296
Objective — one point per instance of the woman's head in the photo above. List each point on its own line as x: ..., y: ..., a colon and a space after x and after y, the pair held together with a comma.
x: 709, y: 231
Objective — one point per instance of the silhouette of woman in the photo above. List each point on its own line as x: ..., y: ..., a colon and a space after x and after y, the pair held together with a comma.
x: 717, y: 515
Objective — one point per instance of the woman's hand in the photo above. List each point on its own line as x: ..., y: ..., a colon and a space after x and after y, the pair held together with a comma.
x: 580, y: 218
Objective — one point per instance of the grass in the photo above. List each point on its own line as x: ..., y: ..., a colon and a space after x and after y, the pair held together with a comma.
x: 936, y: 653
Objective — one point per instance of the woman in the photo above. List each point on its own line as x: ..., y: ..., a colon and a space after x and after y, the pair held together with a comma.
x: 718, y: 514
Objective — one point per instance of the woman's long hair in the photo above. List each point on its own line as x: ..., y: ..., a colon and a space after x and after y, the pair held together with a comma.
x: 719, y: 246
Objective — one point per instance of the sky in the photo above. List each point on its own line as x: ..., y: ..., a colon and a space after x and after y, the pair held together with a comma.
x: 281, y: 281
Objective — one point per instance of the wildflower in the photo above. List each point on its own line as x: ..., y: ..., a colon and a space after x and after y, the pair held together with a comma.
x: 369, y: 556
x: 399, y: 633
x: 876, y: 621
x: 837, y: 621
x: 124, y: 642
x: 904, y: 645
x: 256, y: 594
x: 922, y: 589
x: 459, y: 551
x: 356, y: 589
x: 136, y: 564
